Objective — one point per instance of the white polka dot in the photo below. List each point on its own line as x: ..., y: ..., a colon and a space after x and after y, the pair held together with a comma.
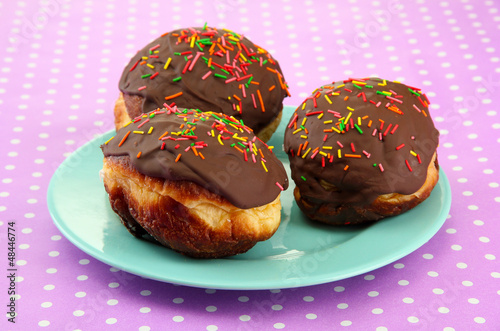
x: 51, y: 270
x: 111, y: 320
x: 373, y: 293
x: 456, y: 247
x: 377, y: 311
x: 78, y: 313
x: 112, y: 302
x: 495, y: 274
x: 346, y: 323
x: 147, y: 328
x: 46, y: 304
x: 244, y: 318
x: 145, y: 310
x: 84, y: 261
x: 369, y: 277
x: 212, y: 328
x: 437, y: 291
x: 49, y: 287
x: 490, y: 257
x: 243, y: 298
x: 44, y: 323
x: 55, y: 238
x: 484, y: 239
x: 82, y: 277
x: 451, y: 231
x: 277, y: 307
x: 178, y: 300
x: 210, y: 291
x: 467, y: 283
x: 413, y: 319
x: 80, y: 294
x: 399, y: 266
x: 342, y: 305
x: 408, y: 300
x: 479, y: 320
x: 211, y: 309
x: 473, y: 301
x: 279, y: 326
x: 145, y: 293
x: 403, y: 282
x: 461, y: 265
x: 54, y: 253
x: 309, y: 298
x: 311, y: 316
x: 113, y: 285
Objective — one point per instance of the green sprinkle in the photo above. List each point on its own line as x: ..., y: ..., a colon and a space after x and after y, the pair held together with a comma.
x: 199, y: 47
x: 357, y: 86
x: 233, y: 144
x: 152, y: 115
x: 416, y: 93
x: 176, y: 79
x: 374, y: 164
x: 191, y: 123
x: 303, y: 178
x: 177, y: 53
x: 146, y: 76
x: 264, y: 62
x: 219, y: 75
x: 369, y: 86
x: 358, y: 128
x: 205, y: 26
x: 384, y: 93
x: 186, y: 58
x: 225, y: 71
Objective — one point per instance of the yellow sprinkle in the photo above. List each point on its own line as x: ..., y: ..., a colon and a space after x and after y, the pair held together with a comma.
x: 383, y: 84
x: 156, y: 52
x: 304, y: 155
x: 335, y: 129
x: 340, y: 86
x: 243, y: 57
x: 213, y: 135
x: 335, y: 93
x: 150, y: 130
x: 167, y: 63
x: 128, y: 124
x: 303, y: 137
x: 351, y: 109
x: 145, y: 57
x: 323, y: 153
x: 320, y: 116
x: 328, y: 122
x: 327, y: 147
x: 264, y: 165
x: 413, y: 153
x: 359, y: 120
x: 358, y: 82
x: 304, y: 121
x: 395, y: 81
x: 107, y: 141
x: 220, y: 140
x: 192, y: 41
x: 347, y: 118
x: 150, y: 65
x: 303, y: 106
x: 328, y: 99
x: 339, y: 153
x: 299, y: 129
x: 138, y: 132
x: 237, y: 108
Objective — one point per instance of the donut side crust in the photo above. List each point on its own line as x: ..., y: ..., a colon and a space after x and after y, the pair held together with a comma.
x: 385, y: 205
x: 184, y: 216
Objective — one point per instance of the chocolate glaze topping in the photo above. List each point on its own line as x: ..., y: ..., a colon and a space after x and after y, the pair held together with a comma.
x: 212, y: 150
x: 209, y: 69
x: 366, y: 137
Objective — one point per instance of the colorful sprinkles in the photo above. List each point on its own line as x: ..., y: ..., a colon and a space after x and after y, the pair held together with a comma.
x: 337, y: 124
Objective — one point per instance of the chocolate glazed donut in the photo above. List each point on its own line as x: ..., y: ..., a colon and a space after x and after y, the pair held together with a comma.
x: 206, y: 68
x: 361, y: 150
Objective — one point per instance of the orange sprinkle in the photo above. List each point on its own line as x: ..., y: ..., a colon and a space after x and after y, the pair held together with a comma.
x: 346, y: 97
x: 239, y: 149
x: 254, y: 82
x: 370, y: 124
x: 195, y: 151
x: 236, y: 97
x: 271, y: 69
x: 142, y: 63
x: 272, y: 88
x: 123, y: 139
x: 139, y: 154
x: 261, y: 101
x: 300, y: 148
x: 425, y: 114
x: 178, y: 157
x: 352, y: 155
x: 305, y: 145
x: 260, y: 151
x: 173, y: 96
x: 346, y: 167
x: 201, y: 155
x: 163, y: 135
x: 209, y: 64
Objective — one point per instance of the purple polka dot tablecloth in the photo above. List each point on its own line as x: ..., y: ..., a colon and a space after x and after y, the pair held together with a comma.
x: 60, y: 65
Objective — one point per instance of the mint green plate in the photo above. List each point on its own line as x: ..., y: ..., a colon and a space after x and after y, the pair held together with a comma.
x: 301, y: 253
